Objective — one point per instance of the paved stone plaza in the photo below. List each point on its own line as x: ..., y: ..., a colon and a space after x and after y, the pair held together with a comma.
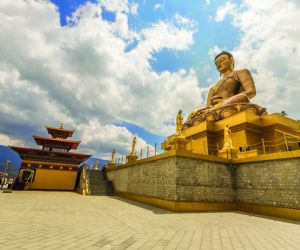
x: 66, y: 220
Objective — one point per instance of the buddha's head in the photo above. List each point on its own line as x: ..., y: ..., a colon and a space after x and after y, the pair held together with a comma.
x: 224, y: 62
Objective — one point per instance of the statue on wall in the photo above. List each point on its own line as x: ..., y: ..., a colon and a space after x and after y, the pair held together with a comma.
x: 132, y: 156
x: 233, y: 88
x: 133, y: 145
x: 179, y: 122
x: 97, y: 165
x: 113, y: 156
x: 227, y: 137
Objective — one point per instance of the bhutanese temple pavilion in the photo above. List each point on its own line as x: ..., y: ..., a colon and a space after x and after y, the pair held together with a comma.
x: 53, y: 167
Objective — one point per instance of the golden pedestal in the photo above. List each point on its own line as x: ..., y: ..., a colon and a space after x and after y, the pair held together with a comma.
x: 111, y: 164
x: 250, y: 153
x: 175, y: 142
x: 228, y: 152
x: 131, y: 158
x: 252, y: 134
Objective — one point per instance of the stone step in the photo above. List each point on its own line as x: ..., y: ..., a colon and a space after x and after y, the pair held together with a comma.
x: 99, y: 184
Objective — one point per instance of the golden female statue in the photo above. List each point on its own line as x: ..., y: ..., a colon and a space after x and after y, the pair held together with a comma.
x: 227, y: 137
x: 179, y: 121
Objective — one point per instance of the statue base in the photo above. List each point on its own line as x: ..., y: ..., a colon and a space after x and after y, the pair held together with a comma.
x: 250, y: 153
x: 251, y: 133
x: 111, y: 164
x: 217, y: 114
x: 228, y: 152
x: 175, y: 142
x: 131, y: 158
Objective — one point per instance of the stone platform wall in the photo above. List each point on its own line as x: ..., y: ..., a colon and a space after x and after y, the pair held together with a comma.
x: 270, y: 183
x: 177, y: 179
x: 200, y: 180
x: 273, y: 183
x: 155, y: 179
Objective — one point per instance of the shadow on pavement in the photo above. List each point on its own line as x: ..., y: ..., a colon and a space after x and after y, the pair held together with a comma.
x: 269, y: 217
x: 155, y: 210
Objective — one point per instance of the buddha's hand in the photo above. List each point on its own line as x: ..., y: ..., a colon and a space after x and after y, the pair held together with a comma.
x: 216, y: 100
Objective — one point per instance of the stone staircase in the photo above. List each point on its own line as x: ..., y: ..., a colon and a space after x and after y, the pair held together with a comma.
x: 99, y: 185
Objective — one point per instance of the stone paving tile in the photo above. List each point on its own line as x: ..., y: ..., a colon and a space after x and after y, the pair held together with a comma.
x: 38, y: 220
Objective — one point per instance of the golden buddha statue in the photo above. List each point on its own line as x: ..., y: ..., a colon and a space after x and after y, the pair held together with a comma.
x: 234, y: 87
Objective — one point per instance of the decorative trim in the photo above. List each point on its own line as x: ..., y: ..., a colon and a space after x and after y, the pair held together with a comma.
x: 49, y: 165
x: 194, y: 206
x: 212, y: 158
x: 179, y: 206
x: 285, y: 213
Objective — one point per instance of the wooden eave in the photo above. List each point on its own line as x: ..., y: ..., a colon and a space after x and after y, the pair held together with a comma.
x: 44, y: 141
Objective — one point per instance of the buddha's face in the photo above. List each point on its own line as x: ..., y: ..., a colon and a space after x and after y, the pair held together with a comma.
x: 224, y: 63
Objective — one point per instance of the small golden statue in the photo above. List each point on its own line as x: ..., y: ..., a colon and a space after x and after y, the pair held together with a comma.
x: 97, y: 165
x: 228, y: 151
x: 85, y: 183
x: 112, y: 162
x: 132, y: 156
x: 133, y: 145
x: 227, y: 137
x: 179, y: 122
x: 113, y: 156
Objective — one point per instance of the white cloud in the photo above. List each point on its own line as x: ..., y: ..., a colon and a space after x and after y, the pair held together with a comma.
x: 188, y: 23
x: 212, y: 52
x: 270, y: 47
x: 207, y: 2
x: 157, y: 6
x: 115, y: 5
x: 228, y: 9
x: 7, y: 141
x: 97, y: 137
x: 134, y: 8
x: 82, y: 76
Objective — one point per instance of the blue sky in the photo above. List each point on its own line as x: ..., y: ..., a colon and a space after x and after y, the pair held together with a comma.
x: 122, y: 68
x: 208, y: 34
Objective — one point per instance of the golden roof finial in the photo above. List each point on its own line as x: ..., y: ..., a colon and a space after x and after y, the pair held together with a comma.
x: 62, y: 126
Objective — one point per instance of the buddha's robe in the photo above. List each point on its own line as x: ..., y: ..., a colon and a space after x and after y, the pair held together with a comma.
x: 234, y: 88
x: 237, y: 87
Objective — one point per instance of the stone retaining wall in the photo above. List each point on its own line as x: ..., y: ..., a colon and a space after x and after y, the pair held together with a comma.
x: 199, y: 180
x: 177, y: 179
x: 268, y: 183
x: 156, y: 179
x: 271, y: 183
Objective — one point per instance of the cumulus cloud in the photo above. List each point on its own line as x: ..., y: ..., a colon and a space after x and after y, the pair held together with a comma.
x: 228, y: 9
x: 157, y: 6
x: 207, y: 2
x: 6, y: 140
x: 134, y: 8
x: 82, y: 75
x: 270, y: 47
x: 105, y: 137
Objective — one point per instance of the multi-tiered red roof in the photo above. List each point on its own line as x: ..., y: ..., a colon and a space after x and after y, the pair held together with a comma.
x: 55, y: 152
